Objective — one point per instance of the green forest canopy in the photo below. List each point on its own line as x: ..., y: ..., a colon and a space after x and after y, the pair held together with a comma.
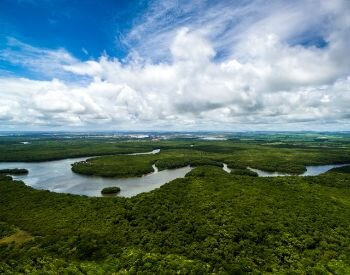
x: 208, y: 222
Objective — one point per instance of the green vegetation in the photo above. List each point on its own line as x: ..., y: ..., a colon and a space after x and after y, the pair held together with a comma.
x: 344, y: 169
x: 128, y: 166
x: 15, y: 171
x: 244, y: 172
x: 291, y: 161
x: 208, y: 222
x: 6, y: 229
x: 282, y: 152
x: 17, y: 238
x: 191, y: 158
x: 138, y: 165
x: 40, y: 150
x: 110, y: 190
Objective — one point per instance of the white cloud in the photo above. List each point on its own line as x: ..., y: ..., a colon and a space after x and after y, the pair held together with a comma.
x: 45, y: 61
x: 264, y: 82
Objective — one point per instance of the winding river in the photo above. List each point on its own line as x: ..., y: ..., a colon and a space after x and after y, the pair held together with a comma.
x: 312, y: 170
x: 57, y: 176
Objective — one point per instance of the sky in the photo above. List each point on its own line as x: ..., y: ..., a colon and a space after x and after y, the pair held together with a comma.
x: 239, y: 65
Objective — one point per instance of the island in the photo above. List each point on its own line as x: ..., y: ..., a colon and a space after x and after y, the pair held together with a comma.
x: 14, y: 171
x: 110, y: 190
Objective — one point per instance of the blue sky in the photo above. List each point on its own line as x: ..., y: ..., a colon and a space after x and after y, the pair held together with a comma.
x: 85, y: 29
x: 74, y: 25
x: 174, y: 65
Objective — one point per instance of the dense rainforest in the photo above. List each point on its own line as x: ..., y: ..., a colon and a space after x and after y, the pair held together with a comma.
x: 210, y: 222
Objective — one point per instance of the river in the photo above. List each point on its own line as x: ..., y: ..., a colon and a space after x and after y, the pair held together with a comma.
x: 312, y: 170
x: 57, y: 176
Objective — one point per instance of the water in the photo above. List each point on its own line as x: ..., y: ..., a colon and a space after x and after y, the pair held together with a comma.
x: 225, y: 168
x: 156, y: 151
x: 262, y: 173
x: 312, y: 170
x: 57, y: 176
x: 213, y: 138
x: 320, y: 169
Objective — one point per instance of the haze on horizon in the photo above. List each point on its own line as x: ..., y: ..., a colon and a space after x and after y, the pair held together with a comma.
x: 175, y: 65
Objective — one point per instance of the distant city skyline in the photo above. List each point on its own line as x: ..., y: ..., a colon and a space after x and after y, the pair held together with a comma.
x: 240, y: 65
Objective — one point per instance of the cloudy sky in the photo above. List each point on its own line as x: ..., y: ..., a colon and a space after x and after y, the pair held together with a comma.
x: 175, y: 65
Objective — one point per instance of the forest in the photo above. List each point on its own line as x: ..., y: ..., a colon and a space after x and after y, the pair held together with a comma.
x: 210, y: 222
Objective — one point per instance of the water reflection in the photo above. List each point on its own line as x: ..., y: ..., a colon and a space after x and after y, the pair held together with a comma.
x: 225, y: 168
x: 57, y: 176
x: 312, y: 170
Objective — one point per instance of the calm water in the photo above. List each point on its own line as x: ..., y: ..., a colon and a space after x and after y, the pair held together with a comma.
x: 225, y: 168
x: 313, y: 170
x: 57, y: 176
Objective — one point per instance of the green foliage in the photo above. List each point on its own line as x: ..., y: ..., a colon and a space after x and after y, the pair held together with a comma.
x: 15, y: 171
x: 208, y: 222
x: 189, y: 159
x: 40, y: 150
x: 287, y: 153
x: 110, y: 190
x: 244, y: 172
x: 6, y: 229
x: 4, y: 177
x: 344, y: 169
x: 138, y: 165
x: 292, y: 161
x: 115, y: 166
x: 285, y: 160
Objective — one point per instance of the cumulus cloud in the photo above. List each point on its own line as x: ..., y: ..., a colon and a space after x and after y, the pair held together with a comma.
x: 269, y: 77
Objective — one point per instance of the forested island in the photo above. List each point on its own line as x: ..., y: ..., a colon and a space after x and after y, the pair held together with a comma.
x: 14, y: 171
x: 110, y: 190
x: 209, y: 222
